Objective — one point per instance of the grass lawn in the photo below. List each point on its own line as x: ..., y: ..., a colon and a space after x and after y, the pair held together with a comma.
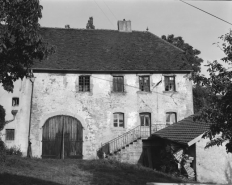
x: 23, y: 171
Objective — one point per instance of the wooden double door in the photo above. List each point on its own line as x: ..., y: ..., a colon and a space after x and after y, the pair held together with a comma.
x: 62, y: 138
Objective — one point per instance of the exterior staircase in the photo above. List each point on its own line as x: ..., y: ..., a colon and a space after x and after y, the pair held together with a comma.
x: 128, y: 146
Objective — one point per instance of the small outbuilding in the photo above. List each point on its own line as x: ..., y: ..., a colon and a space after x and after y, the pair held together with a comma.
x: 180, y: 148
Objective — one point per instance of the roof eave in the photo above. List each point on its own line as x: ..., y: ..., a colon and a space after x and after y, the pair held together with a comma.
x: 193, y: 141
x: 41, y: 70
x: 178, y: 142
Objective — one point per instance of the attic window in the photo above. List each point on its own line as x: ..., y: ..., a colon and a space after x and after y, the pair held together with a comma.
x: 118, y: 84
x: 144, y: 83
x: 84, y: 83
x: 15, y: 102
x: 169, y: 83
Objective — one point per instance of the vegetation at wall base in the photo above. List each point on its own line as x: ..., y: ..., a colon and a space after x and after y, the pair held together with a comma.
x: 2, y: 124
x: 22, y: 171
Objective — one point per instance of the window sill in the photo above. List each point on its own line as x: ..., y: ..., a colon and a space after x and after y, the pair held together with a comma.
x: 144, y: 92
x: 9, y: 141
x: 118, y: 93
x: 118, y: 128
x: 85, y: 92
x: 170, y: 92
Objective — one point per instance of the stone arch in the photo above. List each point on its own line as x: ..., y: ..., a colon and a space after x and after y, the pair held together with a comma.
x: 65, y: 113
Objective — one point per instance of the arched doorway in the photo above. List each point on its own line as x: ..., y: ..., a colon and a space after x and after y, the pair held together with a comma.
x: 62, y: 137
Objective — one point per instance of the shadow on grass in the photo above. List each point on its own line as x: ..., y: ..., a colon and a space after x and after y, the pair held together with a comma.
x: 107, y: 172
x: 11, y: 179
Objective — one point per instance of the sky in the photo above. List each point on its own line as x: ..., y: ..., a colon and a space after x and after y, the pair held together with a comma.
x: 162, y: 17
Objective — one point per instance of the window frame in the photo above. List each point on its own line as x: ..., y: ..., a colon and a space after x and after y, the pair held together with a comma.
x: 145, y: 114
x: 148, y: 83
x: 167, y: 83
x: 8, y: 138
x: 15, y: 101
x: 118, y: 120
x: 114, y: 89
x: 82, y: 87
x: 169, y: 123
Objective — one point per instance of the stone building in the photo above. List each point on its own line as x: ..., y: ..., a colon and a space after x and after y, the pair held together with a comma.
x: 99, y: 85
x: 184, y: 138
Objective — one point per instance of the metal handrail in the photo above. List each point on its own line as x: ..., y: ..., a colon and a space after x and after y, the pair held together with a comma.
x: 129, y: 137
x: 120, y: 135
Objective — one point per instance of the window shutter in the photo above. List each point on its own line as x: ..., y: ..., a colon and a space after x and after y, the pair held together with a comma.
x: 120, y: 83
x: 168, y: 118
x: 147, y: 119
x: 142, y: 120
x: 117, y: 85
x: 115, y: 120
x: 114, y: 84
x: 10, y: 134
x: 173, y: 118
x: 141, y: 84
x: 174, y: 84
x: 121, y: 120
x: 166, y: 83
x: 146, y: 84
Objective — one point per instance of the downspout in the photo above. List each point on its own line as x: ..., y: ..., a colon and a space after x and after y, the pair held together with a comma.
x: 13, y: 112
x: 29, y: 153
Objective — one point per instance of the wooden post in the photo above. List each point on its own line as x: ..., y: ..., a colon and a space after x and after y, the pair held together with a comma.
x: 62, y: 149
x: 150, y: 128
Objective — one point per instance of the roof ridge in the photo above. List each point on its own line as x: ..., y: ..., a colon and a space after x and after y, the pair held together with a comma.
x: 77, y: 29
x: 97, y: 30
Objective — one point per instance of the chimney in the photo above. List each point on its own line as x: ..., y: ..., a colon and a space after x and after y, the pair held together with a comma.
x: 124, y: 26
x: 67, y: 26
x: 90, y: 25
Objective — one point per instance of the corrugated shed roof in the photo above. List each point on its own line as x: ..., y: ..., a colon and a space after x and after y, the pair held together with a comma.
x: 183, y: 131
x: 110, y: 50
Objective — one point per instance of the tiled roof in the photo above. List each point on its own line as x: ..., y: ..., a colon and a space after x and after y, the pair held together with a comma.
x: 110, y: 50
x: 183, y: 131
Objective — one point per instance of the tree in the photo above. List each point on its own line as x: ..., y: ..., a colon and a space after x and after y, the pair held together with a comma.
x: 190, y: 54
x: 2, y: 124
x: 199, y: 93
x: 20, y: 45
x: 200, y: 97
x: 20, y: 40
x: 2, y: 117
x: 219, y: 111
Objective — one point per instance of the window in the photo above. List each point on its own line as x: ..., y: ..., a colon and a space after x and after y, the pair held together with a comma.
x: 145, y: 119
x: 170, y: 118
x: 118, y: 84
x: 144, y: 83
x: 118, y: 120
x: 15, y: 102
x: 10, y: 134
x: 169, y: 83
x: 84, y: 83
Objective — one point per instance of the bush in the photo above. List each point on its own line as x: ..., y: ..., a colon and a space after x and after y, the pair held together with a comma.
x: 2, y: 151
x: 13, y: 151
x: 2, y: 117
